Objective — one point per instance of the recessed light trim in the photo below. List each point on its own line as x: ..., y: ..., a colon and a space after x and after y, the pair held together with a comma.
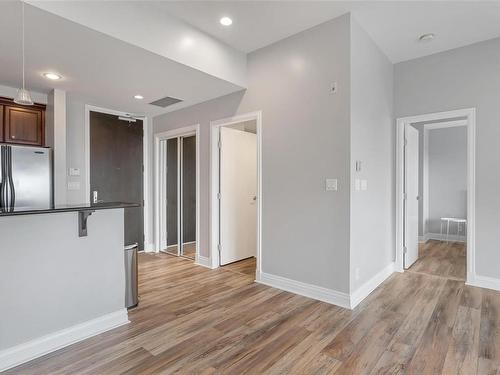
x: 52, y: 76
x: 138, y: 97
x: 426, y: 37
x: 226, y: 21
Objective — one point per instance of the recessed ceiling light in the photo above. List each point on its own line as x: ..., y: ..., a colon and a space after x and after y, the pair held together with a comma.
x: 426, y: 37
x: 52, y: 76
x: 140, y: 97
x: 226, y: 21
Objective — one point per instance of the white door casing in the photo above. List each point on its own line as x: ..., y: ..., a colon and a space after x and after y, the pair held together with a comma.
x: 411, y: 196
x: 238, y: 189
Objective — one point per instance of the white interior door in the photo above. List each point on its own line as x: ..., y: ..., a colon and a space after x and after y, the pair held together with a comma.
x: 238, y: 188
x: 411, y: 197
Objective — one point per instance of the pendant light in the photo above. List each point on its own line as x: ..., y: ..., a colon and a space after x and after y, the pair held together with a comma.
x: 23, y: 96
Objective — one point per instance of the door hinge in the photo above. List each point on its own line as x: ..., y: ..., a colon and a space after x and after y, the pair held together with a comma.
x: 219, y: 144
x: 406, y: 142
x: 404, y: 195
x: 218, y: 195
x: 219, y: 247
x: 405, y: 250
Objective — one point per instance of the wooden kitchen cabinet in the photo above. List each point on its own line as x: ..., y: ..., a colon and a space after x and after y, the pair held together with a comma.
x: 23, y: 125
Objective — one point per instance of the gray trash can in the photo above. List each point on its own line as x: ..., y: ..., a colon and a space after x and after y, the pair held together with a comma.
x: 131, y: 281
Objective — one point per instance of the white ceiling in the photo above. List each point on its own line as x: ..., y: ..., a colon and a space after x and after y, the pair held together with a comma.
x: 99, y: 69
x: 394, y: 25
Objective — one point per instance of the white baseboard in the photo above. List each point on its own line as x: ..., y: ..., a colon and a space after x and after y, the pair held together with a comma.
x: 149, y: 248
x: 203, y: 261
x: 484, y: 282
x: 25, y: 352
x: 442, y: 237
x: 423, y: 238
x: 308, y: 290
x: 369, y: 286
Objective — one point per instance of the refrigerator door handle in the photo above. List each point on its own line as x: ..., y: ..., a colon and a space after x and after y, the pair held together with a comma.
x: 3, y: 181
x: 11, y: 181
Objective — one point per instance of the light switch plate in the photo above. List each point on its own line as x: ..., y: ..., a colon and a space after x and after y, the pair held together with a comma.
x: 74, y: 172
x: 331, y: 184
x: 364, y: 185
x: 74, y: 185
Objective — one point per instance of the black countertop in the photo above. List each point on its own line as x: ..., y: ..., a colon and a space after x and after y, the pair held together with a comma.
x: 65, y: 208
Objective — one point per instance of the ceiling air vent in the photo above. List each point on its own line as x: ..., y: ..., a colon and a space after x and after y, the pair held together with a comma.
x: 165, y: 102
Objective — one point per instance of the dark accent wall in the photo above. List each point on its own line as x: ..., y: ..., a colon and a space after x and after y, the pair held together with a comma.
x: 172, y: 191
x: 189, y: 189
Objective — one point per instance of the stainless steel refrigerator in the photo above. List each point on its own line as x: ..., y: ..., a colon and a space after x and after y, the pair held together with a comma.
x: 25, y: 177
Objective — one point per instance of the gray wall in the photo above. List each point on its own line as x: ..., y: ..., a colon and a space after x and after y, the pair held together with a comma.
x: 305, y: 139
x: 372, y: 137
x: 462, y: 78
x: 50, y: 279
x: 447, y: 175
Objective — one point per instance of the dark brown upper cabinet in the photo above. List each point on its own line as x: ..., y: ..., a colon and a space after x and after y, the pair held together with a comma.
x: 23, y: 125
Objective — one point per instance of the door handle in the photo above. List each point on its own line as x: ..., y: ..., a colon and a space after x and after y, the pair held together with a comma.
x: 94, y: 198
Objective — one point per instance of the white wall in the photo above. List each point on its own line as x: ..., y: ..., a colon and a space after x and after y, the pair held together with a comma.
x: 305, y: 139
x: 372, y: 140
x: 463, y: 78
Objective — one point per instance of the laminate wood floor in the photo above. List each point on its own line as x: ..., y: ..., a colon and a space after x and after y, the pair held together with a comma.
x: 188, y: 251
x: 192, y: 320
x: 245, y: 266
x: 440, y: 258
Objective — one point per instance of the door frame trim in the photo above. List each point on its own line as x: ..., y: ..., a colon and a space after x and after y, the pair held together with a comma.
x: 214, y: 181
x: 160, y: 171
x: 470, y: 115
x: 148, y: 246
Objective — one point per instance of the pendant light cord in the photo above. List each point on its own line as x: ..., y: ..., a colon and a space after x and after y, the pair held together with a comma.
x: 22, y: 2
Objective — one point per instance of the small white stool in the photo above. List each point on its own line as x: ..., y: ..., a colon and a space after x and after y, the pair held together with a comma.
x: 458, y: 221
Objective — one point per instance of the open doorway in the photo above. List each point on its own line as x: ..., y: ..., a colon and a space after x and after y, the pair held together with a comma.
x: 236, y: 202
x: 177, y: 197
x: 435, y: 194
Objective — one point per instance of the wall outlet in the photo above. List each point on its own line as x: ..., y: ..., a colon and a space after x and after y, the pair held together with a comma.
x: 74, y: 185
x: 74, y: 171
x: 331, y: 184
x: 364, y: 185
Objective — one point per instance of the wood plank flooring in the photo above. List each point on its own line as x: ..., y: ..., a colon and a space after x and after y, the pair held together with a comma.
x: 440, y: 258
x: 188, y: 251
x: 245, y: 266
x: 192, y: 320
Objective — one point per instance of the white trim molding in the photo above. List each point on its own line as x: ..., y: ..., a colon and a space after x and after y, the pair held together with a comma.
x: 203, y: 261
x: 369, y: 286
x: 484, y: 282
x: 469, y: 114
x: 307, y: 290
x: 30, y: 350
x: 147, y: 128
x: 442, y: 237
x: 160, y: 179
x: 214, y: 183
